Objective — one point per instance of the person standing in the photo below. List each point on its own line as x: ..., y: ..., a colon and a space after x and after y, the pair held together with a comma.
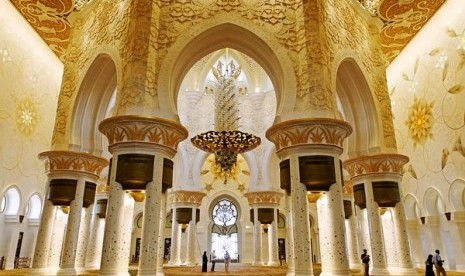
x: 213, y: 260
x: 227, y: 260
x: 204, y: 261
x: 366, y: 262
x: 438, y: 264
x: 429, y: 266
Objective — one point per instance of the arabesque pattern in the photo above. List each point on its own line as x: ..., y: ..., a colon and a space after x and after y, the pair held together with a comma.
x: 56, y: 161
x: 374, y: 164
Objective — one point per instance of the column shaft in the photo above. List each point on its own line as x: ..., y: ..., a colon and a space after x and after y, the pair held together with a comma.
x: 301, y: 224
x: 58, y: 235
x: 151, y: 223
x: 378, y: 256
x: 68, y: 258
x: 257, y: 238
x: 352, y: 243
x: 191, y: 239
x: 161, y: 236
x: 289, y: 238
x: 114, y: 259
x: 331, y: 224
x: 273, y: 241
x: 403, y: 248
x: 44, y: 237
x: 83, y: 237
x: 94, y: 246
x: 175, y: 257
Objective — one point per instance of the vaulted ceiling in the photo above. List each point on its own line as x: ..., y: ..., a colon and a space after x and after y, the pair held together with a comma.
x: 402, y: 20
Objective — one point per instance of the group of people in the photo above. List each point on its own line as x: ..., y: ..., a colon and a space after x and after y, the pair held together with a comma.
x: 435, y: 260
x: 438, y: 262
x: 226, y: 257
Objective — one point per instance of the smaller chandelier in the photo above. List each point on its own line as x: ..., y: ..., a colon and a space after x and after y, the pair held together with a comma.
x: 226, y: 142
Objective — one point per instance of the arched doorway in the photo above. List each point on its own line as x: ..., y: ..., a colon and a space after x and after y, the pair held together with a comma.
x: 224, y: 231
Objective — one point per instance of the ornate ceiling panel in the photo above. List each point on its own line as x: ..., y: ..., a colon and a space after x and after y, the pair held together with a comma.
x: 402, y: 20
x: 49, y: 19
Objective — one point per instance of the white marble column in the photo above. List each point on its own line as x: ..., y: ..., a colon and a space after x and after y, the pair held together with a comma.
x: 151, y: 223
x: 402, y: 243
x: 458, y: 219
x: 94, y: 246
x: 364, y: 231
x: 352, y: 242
x: 114, y: 259
x: 257, y: 238
x: 58, y: 235
x: 378, y: 255
x: 175, y: 254
x: 331, y: 224
x: 161, y: 236
x: 415, y: 242
x: 289, y: 238
x: 389, y: 236
x: 191, y: 239
x: 68, y: 258
x: 84, y: 232
x: 301, y: 225
x: 434, y: 235
x: 273, y: 259
x: 44, y: 238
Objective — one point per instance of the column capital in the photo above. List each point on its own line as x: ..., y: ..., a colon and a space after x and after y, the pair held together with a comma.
x: 295, y: 134
x: 134, y: 130
x: 62, y: 161
x: 185, y: 196
x: 383, y: 163
x: 263, y: 197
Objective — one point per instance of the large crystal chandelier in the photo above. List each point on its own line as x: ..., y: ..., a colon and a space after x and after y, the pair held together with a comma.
x: 226, y: 141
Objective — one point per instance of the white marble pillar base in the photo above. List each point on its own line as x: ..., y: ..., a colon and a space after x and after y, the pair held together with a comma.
x: 303, y: 273
x: 67, y: 271
x: 379, y: 271
x: 115, y: 273
x: 149, y: 272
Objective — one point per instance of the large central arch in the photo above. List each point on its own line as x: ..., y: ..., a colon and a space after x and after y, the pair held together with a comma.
x: 235, y: 33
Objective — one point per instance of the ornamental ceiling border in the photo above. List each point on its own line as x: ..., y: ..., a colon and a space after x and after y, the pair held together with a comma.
x: 402, y: 20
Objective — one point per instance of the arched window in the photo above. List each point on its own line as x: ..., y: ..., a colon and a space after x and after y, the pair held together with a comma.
x: 224, y: 229
x: 3, y: 204
x: 33, y: 207
x: 12, y: 201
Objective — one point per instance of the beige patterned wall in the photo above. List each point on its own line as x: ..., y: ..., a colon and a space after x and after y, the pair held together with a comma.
x: 155, y: 26
x: 30, y: 76
x: 427, y: 85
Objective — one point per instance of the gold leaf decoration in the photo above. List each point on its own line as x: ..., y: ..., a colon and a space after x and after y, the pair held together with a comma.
x: 450, y: 32
x: 445, y: 156
x: 245, y: 172
x: 435, y: 51
x: 455, y: 89
x: 412, y: 172
x: 420, y: 121
x: 445, y: 70
x: 462, y: 60
x: 203, y: 172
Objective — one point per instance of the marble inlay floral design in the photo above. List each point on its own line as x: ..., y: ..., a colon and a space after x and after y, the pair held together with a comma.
x: 27, y: 116
x: 420, y: 121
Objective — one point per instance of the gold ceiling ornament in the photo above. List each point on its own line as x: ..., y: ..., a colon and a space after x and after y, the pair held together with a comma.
x: 138, y: 196
x: 226, y: 142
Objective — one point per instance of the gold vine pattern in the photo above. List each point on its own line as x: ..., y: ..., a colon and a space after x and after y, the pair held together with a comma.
x: 153, y: 130
x: 308, y: 131
x: 373, y: 164
x: 73, y: 161
x: 184, y: 196
x: 264, y: 197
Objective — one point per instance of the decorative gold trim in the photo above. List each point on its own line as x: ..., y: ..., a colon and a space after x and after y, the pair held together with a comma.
x: 184, y: 196
x: 131, y: 128
x: 301, y: 132
x: 375, y: 164
x: 261, y: 197
x: 312, y: 197
x: 61, y: 160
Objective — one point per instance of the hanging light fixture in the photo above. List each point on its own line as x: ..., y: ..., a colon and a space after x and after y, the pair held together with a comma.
x: 226, y: 141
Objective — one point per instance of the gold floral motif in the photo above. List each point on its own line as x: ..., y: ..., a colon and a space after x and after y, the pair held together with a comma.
x: 27, y: 116
x: 420, y: 121
x: 402, y: 20
x: 264, y: 197
x: 143, y: 129
x: 72, y: 161
x: 49, y: 19
x: 374, y: 164
x: 308, y: 131
x: 184, y: 196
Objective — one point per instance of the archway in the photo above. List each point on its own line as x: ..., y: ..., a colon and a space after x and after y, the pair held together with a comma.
x: 225, y: 230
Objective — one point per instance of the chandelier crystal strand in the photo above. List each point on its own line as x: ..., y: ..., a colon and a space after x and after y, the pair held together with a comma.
x: 226, y: 141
